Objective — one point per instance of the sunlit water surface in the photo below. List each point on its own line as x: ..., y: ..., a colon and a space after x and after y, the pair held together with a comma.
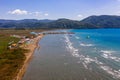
x: 85, y: 55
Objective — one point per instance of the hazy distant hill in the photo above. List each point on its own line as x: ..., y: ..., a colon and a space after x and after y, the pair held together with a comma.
x: 103, y: 21
x: 33, y: 23
x: 70, y: 24
x: 26, y: 23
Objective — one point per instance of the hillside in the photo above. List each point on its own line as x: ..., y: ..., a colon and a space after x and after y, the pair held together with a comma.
x: 68, y: 24
x: 103, y: 21
x: 35, y: 24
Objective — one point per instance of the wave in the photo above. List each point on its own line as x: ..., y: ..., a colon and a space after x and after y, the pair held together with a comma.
x: 107, y: 51
x: 114, y: 73
x: 75, y: 52
x: 109, y: 55
x: 77, y: 37
x: 86, y: 45
x: 70, y: 47
x: 86, y: 60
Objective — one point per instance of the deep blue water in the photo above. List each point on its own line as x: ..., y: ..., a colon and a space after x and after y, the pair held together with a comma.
x: 108, y: 38
x: 92, y: 54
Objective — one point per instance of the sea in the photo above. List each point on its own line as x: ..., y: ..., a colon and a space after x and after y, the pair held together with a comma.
x: 88, y: 54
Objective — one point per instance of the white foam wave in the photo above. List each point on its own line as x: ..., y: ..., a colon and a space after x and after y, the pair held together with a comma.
x: 86, y: 60
x: 86, y: 45
x: 85, y: 65
x: 114, y: 73
x: 107, y: 51
x: 70, y: 47
x: 109, y: 70
x: 77, y: 37
x: 108, y: 55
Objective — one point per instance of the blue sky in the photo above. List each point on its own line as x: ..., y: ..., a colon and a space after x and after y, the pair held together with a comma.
x: 54, y: 9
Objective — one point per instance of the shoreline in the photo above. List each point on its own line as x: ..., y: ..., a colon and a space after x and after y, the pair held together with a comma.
x: 31, y: 47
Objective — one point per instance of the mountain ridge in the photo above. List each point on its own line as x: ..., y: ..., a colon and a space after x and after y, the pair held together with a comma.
x: 91, y: 22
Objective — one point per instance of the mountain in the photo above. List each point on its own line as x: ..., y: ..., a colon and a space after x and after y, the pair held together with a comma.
x: 25, y: 23
x: 34, y: 24
x: 103, y: 21
x: 69, y: 24
x: 92, y: 22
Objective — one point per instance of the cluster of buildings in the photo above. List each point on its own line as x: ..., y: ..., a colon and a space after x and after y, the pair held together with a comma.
x: 23, y: 42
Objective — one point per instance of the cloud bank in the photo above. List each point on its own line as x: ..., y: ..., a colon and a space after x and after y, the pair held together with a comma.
x: 25, y: 12
x: 18, y: 12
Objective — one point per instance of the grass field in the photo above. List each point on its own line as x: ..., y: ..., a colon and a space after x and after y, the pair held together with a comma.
x: 4, y: 40
x: 11, y: 60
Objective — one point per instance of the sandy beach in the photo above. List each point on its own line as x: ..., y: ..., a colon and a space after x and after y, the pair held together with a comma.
x: 31, y: 47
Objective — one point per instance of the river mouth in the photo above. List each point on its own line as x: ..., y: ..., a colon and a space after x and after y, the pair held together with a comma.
x: 74, y: 57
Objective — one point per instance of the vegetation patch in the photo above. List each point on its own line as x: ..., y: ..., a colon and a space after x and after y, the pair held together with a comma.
x: 10, y: 62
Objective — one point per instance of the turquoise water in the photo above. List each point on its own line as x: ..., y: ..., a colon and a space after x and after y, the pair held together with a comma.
x: 86, y: 55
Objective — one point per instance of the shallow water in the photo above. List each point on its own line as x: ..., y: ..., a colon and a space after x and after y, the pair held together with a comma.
x: 77, y: 57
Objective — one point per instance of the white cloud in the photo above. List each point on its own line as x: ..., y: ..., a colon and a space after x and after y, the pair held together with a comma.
x: 79, y: 15
x: 18, y: 12
x: 33, y: 14
x: 37, y: 13
x: 46, y: 14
